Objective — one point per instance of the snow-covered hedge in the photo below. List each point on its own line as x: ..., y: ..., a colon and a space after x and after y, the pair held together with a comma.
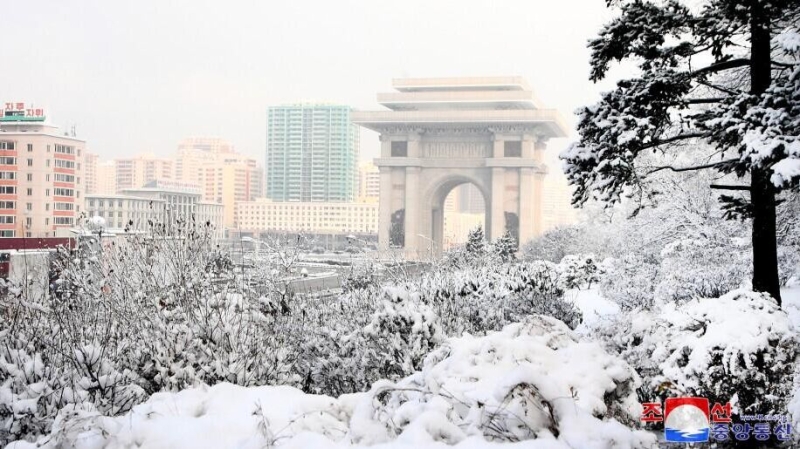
x: 533, y: 383
x: 150, y: 315
x: 737, y: 348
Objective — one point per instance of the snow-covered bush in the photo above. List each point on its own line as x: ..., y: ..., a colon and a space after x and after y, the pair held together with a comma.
x: 365, y: 336
x: 401, y: 332
x: 703, y: 268
x: 532, y: 380
x: 533, y: 383
x: 579, y: 271
x: 360, y: 276
x: 629, y: 281
x: 737, y: 348
x: 481, y: 299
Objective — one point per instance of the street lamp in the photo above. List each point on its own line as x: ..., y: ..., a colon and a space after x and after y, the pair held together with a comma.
x: 430, y: 246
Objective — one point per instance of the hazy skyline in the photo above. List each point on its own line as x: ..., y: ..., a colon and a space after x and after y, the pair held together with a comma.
x: 140, y: 76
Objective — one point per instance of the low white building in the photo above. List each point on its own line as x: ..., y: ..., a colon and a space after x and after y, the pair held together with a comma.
x: 315, y: 217
x: 134, y: 209
x: 125, y: 211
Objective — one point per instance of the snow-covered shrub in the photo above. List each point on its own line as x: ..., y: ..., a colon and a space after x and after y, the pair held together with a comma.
x: 579, y: 271
x: 629, y: 281
x: 401, y: 332
x: 737, y: 348
x: 360, y: 276
x: 532, y: 380
x: 703, y: 268
x: 481, y: 299
x: 367, y: 335
x: 533, y: 383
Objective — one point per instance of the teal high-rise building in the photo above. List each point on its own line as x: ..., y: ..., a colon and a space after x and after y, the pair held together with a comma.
x: 312, y: 153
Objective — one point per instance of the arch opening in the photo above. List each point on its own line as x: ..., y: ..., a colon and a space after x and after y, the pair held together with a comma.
x: 457, y: 206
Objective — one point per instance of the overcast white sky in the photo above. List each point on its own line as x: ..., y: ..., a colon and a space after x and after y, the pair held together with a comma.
x: 137, y: 76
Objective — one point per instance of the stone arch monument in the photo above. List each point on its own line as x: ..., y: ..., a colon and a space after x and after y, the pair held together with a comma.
x: 439, y: 133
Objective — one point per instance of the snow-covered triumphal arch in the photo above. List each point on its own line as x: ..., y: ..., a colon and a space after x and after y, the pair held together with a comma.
x: 442, y: 132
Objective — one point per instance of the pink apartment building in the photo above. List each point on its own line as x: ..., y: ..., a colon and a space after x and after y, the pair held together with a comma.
x: 40, y: 174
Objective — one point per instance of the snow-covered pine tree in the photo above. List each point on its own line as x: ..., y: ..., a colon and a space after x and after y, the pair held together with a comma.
x: 476, y: 243
x: 505, y: 247
x: 698, y: 85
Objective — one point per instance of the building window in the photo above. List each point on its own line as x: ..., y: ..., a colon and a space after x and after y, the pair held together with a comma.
x: 7, y: 219
x: 28, y: 221
x: 400, y: 149
x: 47, y: 206
x: 6, y: 233
x: 30, y: 191
x: 29, y: 206
x: 46, y: 192
x: 512, y: 148
x: 7, y: 205
x: 6, y: 145
x: 30, y: 177
x: 8, y: 190
x: 30, y: 162
x: 30, y: 147
x: 8, y: 160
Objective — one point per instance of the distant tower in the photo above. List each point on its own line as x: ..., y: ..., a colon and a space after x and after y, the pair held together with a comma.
x: 312, y: 153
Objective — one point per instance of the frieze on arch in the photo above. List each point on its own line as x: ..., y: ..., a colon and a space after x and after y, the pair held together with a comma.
x: 456, y: 149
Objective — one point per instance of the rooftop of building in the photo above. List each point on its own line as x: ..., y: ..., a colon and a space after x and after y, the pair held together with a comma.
x: 117, y: 196
x: 462, y: 101
x: 470, y: 83
x: 36, y: 128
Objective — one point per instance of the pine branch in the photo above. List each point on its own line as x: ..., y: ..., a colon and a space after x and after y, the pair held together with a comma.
x: 721, y: 66
x: 696, y: 167
x: 728, y: 187
x: 719, y: 88
x: 703, y: 100
x: 672, y: 139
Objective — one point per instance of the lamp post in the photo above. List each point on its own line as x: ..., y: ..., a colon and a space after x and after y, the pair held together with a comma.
x: 430, y: 245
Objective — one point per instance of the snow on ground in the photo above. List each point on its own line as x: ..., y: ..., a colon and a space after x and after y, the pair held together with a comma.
x: 534, y: 379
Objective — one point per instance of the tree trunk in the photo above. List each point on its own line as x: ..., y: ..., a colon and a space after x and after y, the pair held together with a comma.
x: 762, y: 194
x: 765, y: 253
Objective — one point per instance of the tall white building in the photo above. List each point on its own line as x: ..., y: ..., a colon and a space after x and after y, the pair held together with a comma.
x: 312, y: 153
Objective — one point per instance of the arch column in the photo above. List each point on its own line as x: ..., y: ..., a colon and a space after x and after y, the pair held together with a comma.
x: 496, y: 210
x: 527, y: 205
x: 412, y: 214
x: 385, y: 208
